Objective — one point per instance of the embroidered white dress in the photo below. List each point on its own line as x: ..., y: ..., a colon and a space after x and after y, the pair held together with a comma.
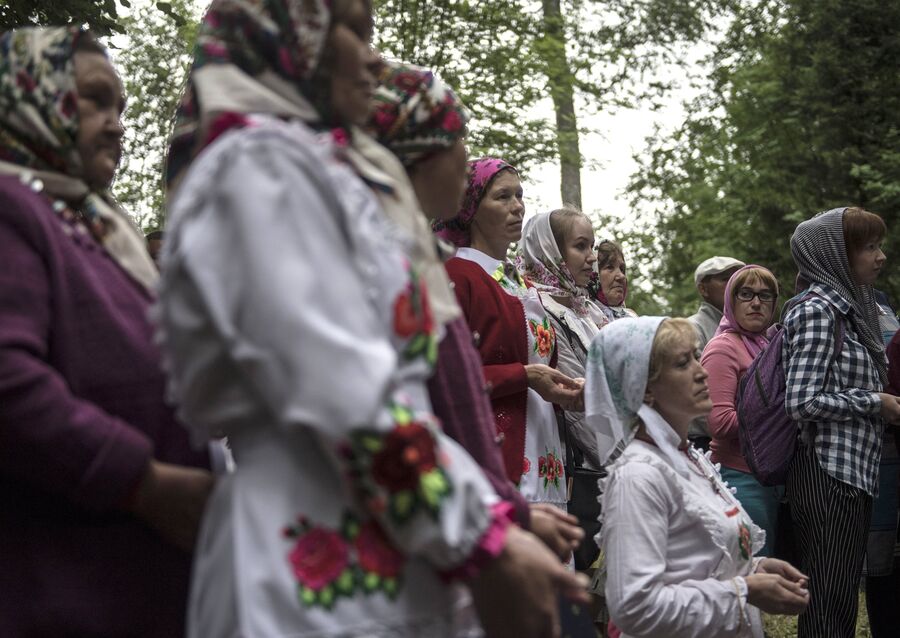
x: 676, y: 549
x: 543, y: 477
x: 294, y: 326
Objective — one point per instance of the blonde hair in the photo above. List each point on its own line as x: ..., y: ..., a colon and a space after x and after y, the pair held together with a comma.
x: 671, y: 334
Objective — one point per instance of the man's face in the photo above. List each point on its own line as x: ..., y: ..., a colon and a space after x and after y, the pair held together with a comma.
x: 712, y: 288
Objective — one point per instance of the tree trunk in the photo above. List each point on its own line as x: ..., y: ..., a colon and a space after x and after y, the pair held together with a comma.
x: 561, y: 83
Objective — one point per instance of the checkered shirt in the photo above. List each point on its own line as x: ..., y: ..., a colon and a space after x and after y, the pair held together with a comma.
x: 841, y: 409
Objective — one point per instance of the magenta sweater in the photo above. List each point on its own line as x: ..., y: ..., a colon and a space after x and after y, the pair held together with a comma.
x: 726, y: 359
x: 81, y: 413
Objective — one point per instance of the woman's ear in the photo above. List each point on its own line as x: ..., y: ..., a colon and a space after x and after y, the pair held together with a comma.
x: 648, y: 396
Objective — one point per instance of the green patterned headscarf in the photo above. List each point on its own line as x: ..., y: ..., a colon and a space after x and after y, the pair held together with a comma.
x: 415, y: 113
x: 38, y: 114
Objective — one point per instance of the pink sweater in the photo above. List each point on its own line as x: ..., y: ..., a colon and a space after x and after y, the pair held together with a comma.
x: 726, y: 360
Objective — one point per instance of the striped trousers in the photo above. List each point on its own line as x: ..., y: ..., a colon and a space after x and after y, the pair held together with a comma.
x: 831, y: 522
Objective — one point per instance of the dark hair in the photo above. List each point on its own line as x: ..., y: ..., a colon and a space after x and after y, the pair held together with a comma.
x: 156, y: 234
x: 87, y: 42
x: 606, y: 250
x: 561, y: 221
x: 861, y: 227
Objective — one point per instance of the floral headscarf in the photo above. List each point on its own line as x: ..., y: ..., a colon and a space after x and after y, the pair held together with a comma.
x: 753, y: 341
x: 251, y: 56
x: 541, y: 263
x: 481, y: 174
x: 38, y: 139
x: 616, y: 374
x: 415, y: 113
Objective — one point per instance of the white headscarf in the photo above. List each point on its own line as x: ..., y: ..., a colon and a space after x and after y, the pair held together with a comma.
x: 543, y: 265
x: 616, y: 373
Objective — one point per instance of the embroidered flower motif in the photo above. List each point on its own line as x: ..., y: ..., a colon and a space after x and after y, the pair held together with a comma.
x: 408, y: 452
x: 526, y: 465
x: 550, y: 469
x: 379, y: 560
x: 319, y: 560
x: 331, y: 563
x: 745, y: 541
x: 413, y: 320
x: 544, y: 337
x: 401, y: 466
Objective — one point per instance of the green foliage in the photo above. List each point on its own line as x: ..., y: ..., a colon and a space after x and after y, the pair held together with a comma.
x: 153, y: 67
x: 800, y: 117
x: 101, y: 15
x: 504, y: 61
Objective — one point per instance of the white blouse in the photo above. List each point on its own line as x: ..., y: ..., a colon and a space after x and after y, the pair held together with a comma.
x: 293, y: 324
x: 677, y: 549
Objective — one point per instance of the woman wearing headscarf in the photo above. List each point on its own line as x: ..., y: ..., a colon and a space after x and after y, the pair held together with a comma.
x: 296, y: 324
x: 512, y: 332
x: 834, y: 393
x: 609, y: 286
x: 422, y: 121
x: 680, y: 550
x: 101, y: 492
x: 557, y: 258
x: 750, y: 298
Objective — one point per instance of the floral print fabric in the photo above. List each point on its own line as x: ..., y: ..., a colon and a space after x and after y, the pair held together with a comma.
x: 252, y: 39
x: 543, y: 265
x: 38, y: 99
x: 38, y: 141
x: 415, y: 114
x: 332, y: 563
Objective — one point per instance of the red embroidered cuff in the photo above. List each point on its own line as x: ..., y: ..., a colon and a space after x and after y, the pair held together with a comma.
x: 489, y: 545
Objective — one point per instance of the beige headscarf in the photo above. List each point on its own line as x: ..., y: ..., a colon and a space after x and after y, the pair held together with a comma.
x: 38, y: 139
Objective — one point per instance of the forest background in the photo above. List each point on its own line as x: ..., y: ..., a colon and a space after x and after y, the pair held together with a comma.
x: 794, y: 109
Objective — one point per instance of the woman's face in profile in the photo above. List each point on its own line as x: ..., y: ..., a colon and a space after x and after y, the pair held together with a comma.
x: 100, y: 103
x: 680, y: 392
x: 354, y: 61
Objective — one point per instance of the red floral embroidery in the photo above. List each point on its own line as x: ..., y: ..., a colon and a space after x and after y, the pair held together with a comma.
x: 318, y: 558
x: 526, y: 465
x: 376, y: 553
x: 329, y: 564
x: 745, y: 542
x: 408, y: 452
x: 550, y: 469
x: 412, y: 313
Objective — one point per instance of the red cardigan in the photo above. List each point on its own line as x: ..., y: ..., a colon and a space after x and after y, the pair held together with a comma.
x: 497, y: 321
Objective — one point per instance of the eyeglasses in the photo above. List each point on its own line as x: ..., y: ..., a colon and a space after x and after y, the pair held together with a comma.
x: 747, y: 294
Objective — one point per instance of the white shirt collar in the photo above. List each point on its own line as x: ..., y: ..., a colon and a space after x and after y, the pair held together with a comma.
x: 482, y: 259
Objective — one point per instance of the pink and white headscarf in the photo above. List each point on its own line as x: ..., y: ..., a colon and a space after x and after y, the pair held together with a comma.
x: 481, y: 174
x: 753, y: 341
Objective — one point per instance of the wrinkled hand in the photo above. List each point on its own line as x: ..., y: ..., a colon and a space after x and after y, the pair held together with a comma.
x: 775, y: 594
x: 890, y: 408
x: 171, y: 499
x: 517, y: 595
x: 558, y: 530
x: 555, y: 387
